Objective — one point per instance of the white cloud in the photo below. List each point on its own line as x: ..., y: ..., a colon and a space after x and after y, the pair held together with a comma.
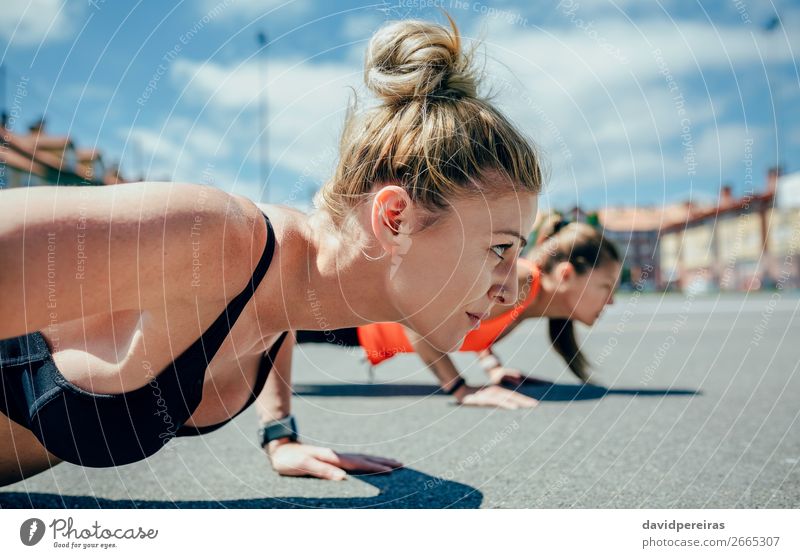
x: 618, y: 121
x: 197, y: 151
x: 726, y: 146
x: 36, y: 21
x: 306, y: 103
x: 181, y: 149
x: 604, y: 122
x: 361, y: 26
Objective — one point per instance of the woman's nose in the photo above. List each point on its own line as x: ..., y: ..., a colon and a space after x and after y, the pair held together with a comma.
x: 498, y: 294
x: 506, y: 290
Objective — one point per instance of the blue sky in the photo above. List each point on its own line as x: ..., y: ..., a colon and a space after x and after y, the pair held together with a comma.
x: 631, y: 102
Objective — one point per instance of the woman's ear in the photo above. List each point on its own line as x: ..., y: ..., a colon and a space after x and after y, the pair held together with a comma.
x: 565, y: 272
x: 391, y: 215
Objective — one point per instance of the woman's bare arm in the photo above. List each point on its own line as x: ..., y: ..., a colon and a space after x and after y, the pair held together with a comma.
x: 275, y: 400
x: 444, y: 369
x: 291, y: 458
x: 68, y: 252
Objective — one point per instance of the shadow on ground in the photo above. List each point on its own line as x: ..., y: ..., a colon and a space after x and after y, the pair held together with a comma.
x: 405, y: 488
x: 538, y: 389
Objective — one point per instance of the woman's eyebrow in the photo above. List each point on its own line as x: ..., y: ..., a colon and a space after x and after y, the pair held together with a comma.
x: 522, y: 240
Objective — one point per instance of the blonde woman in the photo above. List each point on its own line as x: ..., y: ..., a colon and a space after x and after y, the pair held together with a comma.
x: 136, y: 313
x: 571, y: 275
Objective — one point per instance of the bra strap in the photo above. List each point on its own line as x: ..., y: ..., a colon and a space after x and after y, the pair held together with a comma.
x: 211, y: 340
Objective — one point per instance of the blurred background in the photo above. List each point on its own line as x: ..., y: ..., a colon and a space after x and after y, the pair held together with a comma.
x: 674, y: 126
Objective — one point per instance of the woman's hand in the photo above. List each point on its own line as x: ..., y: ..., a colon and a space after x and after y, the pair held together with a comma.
x: 298, y: 460
x: 494, y: 396
x: 501, y: 374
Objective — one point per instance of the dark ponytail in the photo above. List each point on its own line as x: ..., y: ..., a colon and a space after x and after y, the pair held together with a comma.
x: 585, y: 248
x: 562, y: 337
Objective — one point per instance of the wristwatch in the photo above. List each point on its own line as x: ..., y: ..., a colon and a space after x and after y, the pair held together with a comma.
x: 455, y: 386
x: 277, y: 429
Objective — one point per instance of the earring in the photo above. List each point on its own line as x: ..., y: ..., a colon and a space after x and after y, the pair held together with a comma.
x: 372, y: 258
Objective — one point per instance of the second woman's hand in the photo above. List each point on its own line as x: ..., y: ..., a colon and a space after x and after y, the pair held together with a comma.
x: 298, y: 460
x: 494, y: 396
x: 501, y: 374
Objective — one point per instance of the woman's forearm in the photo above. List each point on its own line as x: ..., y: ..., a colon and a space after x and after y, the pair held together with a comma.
x: 275, y: 400
x: 488, y: 360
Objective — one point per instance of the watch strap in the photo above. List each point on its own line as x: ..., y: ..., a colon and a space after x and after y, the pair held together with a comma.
x: 455, y: 386
x: 276, y: 429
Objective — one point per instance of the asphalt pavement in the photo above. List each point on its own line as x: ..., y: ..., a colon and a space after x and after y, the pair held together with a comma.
x: 698, y: 408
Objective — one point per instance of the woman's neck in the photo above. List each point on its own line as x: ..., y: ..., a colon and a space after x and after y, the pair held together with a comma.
x: 333, y: 285
x: 549, y: 302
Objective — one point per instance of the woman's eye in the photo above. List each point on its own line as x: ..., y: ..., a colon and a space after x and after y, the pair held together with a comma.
x: 500, y: 249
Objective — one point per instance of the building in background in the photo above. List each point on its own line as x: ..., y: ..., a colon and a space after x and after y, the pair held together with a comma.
x: 741, y: 244
x: 36, y: 159
x: 737, y: 244
x: 636, y: 233
x: 783, y: 239
x: 90, y: 165
x: 577, y: 214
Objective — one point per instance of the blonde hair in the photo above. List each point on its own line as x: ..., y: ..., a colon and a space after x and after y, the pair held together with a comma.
x: 431, y: 133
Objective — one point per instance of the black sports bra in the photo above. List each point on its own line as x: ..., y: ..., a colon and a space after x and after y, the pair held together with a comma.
x: 103, y: 430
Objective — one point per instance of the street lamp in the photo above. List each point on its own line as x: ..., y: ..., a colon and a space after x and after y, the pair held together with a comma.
x: 771, y: 26
x: 262, y: 115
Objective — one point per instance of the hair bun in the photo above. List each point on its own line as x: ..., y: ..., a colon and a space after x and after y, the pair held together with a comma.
x: 413, y: 59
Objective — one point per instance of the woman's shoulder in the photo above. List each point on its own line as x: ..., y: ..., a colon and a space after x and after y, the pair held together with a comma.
x: 291, y: 231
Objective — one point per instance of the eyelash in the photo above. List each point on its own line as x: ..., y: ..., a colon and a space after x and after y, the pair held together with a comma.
x: 504, y: 247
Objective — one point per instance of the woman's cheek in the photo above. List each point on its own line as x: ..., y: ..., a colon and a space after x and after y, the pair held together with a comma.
x: 577, y: 304
x: 484, y: 272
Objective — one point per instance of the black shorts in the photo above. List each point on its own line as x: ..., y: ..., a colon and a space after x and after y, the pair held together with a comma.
x: 346, y: 337
x: 27, y: 377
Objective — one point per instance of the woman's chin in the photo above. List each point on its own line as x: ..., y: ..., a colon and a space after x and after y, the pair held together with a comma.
x: 446, y: 337
x: 449, y: 343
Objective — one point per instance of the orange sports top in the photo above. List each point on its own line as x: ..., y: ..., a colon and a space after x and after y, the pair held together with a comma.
x: 381, y: 341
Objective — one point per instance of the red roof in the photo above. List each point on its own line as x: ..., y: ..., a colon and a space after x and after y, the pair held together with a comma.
x: 646, y: 218
x: 32, y: 153
x: 49, y: 143
x: 26, y: 147
x: 738, y: 206
x: 20, y: 162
